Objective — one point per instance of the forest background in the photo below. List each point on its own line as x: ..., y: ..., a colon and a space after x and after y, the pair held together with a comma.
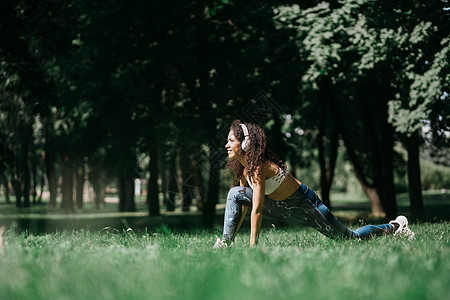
x: 101, y: 95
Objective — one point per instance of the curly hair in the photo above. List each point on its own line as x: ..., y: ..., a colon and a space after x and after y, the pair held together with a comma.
x: 257, y: 153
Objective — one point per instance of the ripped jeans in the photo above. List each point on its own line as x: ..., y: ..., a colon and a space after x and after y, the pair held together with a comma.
x: 304, y: 206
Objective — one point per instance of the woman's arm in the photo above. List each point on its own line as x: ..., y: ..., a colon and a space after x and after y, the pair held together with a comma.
x: 259, y: 186
x: 244, y: 212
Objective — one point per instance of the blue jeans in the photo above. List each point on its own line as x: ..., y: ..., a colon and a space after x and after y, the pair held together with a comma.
x: 303, y: 206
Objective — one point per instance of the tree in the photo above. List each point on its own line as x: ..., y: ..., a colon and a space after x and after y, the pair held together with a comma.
x: 25, y: 94
x: 355, y: 50
x: 413, y: 106
x: 325, y: 35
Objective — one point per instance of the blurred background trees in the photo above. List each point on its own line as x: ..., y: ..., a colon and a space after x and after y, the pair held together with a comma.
x: 115, y: 91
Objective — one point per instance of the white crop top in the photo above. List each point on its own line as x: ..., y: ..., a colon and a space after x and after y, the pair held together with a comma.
x: 272, y: 183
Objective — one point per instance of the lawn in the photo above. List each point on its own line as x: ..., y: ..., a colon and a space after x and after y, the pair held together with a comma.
x: 289, y: 263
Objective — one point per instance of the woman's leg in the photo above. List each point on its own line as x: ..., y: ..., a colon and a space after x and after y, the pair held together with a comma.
x: 237, y: 196
x: 305, y: 206
x: 371, y: 230
x: 361, y: 233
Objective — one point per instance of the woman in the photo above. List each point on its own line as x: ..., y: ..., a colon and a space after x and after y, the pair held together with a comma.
x: 266, y: 185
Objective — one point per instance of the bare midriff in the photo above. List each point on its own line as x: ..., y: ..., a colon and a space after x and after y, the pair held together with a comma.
x: 289, y: 185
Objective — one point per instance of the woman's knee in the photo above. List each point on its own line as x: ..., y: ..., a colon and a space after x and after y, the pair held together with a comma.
x: 232, y: 192
x: 238, y: 194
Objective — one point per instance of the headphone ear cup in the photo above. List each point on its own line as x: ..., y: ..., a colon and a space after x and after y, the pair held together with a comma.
x: 245, y: 144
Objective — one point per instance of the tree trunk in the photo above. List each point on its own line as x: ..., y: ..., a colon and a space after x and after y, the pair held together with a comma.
x: 375, y: 201
x: 35, y: 179
x: 172, y: 184
x: 327, y: 170
x: 370, y: 191
x: 126, y: 183
x: 389, y: 200
x: 186, y: 174
x: 162, y: 167
x: 209, y: 208
x: 51, y: 178
x: 97, y: 177
x: 26, y: 173
x: 6, y: 188
x: 198, y: 183
x: 153, y: 190
x: 99, y: 185
x: 414, y: 180
x: 50, y: 160
x: 126, y: 193
x: 41, y: 188
x: 80, y: 185
x: 67, y: 185
x: 16, y: 182
x: 380, y: 138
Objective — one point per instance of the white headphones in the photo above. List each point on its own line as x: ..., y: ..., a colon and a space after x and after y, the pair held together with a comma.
x: 246, y: 142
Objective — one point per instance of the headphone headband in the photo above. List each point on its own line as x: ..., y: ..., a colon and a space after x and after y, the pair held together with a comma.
x: 244, y: 129
x: 246, y: 142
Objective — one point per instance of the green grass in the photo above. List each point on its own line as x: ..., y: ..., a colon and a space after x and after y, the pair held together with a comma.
x: 289, y: 263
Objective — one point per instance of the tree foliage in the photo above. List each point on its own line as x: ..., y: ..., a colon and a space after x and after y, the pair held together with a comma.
x: 104, y: 83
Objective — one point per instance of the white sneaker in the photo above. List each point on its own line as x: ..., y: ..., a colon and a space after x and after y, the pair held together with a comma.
x: 222, y: 244
x: 403, y: 228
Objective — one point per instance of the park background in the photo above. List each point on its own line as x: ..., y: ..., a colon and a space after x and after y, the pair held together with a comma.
x: 113, y: 121
x: 119, y: 110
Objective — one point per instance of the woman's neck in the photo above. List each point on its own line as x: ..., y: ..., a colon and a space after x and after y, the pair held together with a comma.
x: 242, y: 161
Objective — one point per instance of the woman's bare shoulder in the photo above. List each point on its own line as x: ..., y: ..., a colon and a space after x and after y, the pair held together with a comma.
x: 270, y: 168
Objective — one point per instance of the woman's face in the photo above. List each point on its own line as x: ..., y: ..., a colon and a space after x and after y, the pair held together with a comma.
x: 233, y: 146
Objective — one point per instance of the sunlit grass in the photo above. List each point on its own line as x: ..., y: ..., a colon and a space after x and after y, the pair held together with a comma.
x: 289, y: 263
